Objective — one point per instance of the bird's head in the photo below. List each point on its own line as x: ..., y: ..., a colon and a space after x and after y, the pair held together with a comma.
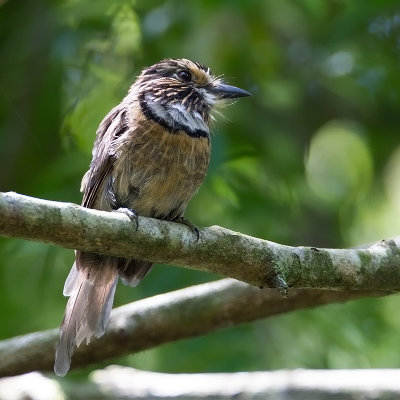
x: 180, y: 95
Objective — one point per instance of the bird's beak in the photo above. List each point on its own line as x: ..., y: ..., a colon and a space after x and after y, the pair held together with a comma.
x: 223, y: 91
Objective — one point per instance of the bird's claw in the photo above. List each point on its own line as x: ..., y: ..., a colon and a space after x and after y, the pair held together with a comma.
x: 131, y: 214
x: 190, y: 225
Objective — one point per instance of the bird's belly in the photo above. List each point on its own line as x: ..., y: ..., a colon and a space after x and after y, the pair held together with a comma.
x: 166, y: 197
x: 164, y: 175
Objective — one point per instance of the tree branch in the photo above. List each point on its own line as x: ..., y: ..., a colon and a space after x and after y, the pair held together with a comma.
x: 164, y: 318
x: 221, y: 251
x: 126, y: 383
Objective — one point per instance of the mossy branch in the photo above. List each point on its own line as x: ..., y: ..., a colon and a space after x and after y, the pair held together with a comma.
x: 221, y: 251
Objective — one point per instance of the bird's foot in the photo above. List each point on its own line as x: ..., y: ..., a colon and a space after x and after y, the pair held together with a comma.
x: 190, y: 225
x: 131, y: 214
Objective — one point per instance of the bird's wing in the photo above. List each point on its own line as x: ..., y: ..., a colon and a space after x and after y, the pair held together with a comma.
x: 113, y: 126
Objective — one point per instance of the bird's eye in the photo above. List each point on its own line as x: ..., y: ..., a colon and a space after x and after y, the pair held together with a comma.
x: 184, y: 76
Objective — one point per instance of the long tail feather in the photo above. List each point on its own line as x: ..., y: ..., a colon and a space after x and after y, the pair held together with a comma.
x: 90, y: 286
x: 87, y: 311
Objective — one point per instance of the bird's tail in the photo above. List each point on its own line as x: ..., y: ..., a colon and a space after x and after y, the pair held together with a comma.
x: 90, y: 288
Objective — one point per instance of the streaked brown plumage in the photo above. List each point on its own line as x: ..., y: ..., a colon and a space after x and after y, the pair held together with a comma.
x: 151, y: 155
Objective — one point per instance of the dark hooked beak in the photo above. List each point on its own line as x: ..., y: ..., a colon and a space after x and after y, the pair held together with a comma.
x: 223, y: 91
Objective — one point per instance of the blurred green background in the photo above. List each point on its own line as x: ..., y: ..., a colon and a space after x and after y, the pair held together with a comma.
x: 313, y: 158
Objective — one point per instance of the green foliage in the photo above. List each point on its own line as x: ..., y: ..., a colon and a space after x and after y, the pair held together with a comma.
x: 313, y: 158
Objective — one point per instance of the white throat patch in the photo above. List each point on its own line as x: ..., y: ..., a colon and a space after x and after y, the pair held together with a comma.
x: 176, y: 114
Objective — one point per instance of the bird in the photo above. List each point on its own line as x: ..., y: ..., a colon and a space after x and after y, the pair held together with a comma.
x: 150, y: 156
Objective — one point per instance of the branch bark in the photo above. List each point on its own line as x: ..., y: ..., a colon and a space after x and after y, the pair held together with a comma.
x: 164, y: 318
x: 254, y: 261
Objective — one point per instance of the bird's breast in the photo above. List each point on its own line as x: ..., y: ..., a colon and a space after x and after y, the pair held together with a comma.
x: 157, y: 172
